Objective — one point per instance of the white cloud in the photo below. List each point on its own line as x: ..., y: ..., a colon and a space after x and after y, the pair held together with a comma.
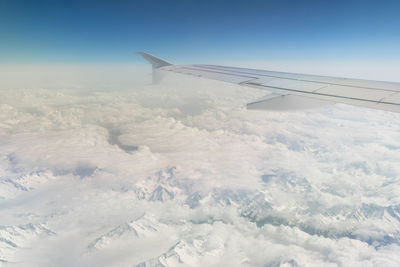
x: 181, y: 174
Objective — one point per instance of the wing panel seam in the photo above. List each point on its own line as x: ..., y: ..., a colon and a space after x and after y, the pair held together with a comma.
x: 303, y: 80
x: 380, y: 100
x: 312, y: 93
x: 220, y: 72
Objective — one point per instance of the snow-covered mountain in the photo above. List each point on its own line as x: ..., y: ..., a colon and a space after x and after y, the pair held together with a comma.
x: 20, y: 237
x: 172, y: 175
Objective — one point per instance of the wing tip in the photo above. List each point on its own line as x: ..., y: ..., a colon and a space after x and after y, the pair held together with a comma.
x: 154, y: 61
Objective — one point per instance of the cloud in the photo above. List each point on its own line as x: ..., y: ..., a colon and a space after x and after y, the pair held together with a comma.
x: 121, y: 172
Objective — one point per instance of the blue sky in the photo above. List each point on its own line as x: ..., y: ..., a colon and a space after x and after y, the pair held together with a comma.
x: 198, y: 31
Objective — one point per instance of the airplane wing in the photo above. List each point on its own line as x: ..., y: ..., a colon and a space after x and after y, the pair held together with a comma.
x: 291, y: 90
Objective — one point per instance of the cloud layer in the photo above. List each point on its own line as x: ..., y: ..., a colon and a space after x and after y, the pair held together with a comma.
x: 98, y: 168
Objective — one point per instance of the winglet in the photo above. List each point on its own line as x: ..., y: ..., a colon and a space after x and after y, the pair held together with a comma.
x: 154, y: 61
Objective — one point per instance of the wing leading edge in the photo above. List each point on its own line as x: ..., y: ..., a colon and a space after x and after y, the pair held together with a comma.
x: 292, y: 90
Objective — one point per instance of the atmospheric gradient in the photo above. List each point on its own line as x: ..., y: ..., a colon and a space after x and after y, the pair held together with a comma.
x: 99, y: 167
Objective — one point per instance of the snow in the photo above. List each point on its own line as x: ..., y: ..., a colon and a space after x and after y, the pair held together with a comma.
x: 104, y: 169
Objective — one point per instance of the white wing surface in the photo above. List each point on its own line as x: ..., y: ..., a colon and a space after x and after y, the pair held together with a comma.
x: 292, y: 90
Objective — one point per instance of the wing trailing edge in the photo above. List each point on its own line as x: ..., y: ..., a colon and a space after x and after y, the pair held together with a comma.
x: 278, y: 102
